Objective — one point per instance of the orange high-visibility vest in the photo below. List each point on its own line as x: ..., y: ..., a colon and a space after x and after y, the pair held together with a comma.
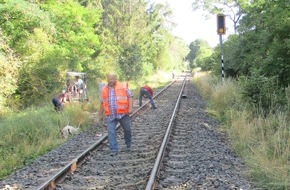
x: 122, y: 98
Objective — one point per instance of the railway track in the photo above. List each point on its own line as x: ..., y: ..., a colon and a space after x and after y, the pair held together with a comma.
x: 128, y: 170
x: 192, y: 156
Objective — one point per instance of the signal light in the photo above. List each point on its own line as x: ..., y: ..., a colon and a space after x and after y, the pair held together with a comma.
x: 221, y: 24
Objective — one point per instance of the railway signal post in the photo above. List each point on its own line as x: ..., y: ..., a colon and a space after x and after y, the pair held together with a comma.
x: 221, y: 30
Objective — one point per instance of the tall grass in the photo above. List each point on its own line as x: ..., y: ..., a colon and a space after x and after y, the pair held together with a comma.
x: 22, y: 137
x: 262, y: 141
x: 33, y: 132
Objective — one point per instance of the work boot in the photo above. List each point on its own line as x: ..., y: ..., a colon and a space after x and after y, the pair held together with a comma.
x: 128, y: 148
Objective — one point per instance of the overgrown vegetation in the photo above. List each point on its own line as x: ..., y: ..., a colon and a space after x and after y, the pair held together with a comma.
x: 41, y: 40
x: 262, y: 140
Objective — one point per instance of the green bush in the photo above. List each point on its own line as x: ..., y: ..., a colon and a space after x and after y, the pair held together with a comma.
x: 262, y: 92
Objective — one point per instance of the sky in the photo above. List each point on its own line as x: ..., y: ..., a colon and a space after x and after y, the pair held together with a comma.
x: 192, y: 25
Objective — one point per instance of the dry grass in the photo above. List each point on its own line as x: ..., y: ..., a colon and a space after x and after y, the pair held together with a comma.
x: 263, y: 142
x: 203, y: 82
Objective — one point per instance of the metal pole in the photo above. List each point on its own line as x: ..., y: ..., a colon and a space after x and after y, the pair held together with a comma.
x: 222, y: 58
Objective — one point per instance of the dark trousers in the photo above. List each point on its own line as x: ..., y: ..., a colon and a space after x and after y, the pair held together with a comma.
x: 58, y: 106
x: 145, y: 93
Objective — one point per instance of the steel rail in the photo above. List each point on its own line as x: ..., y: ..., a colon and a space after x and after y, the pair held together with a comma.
x: 50, y: 183
x: 155, y: 169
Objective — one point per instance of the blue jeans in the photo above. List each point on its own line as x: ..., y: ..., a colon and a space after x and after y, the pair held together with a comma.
x: 125, y: 123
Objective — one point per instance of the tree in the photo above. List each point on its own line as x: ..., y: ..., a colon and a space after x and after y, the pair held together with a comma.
x: 49, y: 37
x: 233, y: 9
x: 9, y: 65
x: 127, y: 24
x: 200, y: 50
x: 130, y: 63
x: 265, y: 27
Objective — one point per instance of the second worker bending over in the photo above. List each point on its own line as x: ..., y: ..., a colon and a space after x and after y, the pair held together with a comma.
x: 147, y: 92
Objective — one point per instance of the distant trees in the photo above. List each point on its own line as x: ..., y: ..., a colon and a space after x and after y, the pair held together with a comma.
x: 200, y: 55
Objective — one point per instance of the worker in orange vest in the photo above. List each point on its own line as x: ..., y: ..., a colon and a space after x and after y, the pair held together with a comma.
x: 117, y: 104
